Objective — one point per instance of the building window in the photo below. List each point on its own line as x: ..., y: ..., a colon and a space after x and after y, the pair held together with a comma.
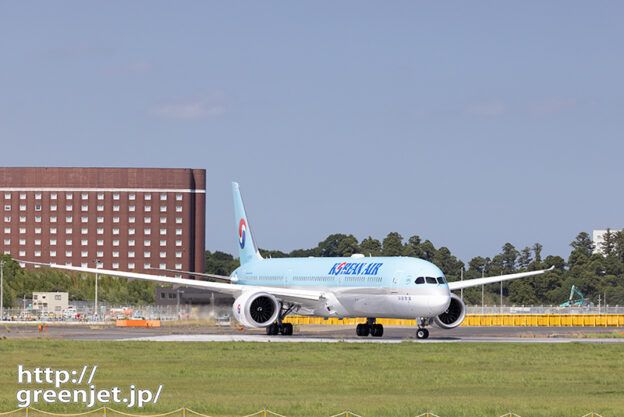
x: 53, y: 196
x: 69, y: 219
x: 178, y: 209
x: 131, y: 231
x: 84, y: 219
x: 131, y: 265
x: 130, y: 254
x: 100, y: 242
x: 178, y: 232
x: 69, y: 196
x: 7, y: 230
x: 22, y: 241
x: 100, y: 219
x: 147, y: 254
x: 22, y: 196
x: 147, y: 242
x: 163, y: 266
x: 163, y: 197
x: 163, y: 209
x: 116, y: 242
x: 148, y: 196
x: 37, y: 219
x: 148, y: 208
x: 7, y: 196
x: 68, y: 242
x: 163, y: 243
x: 178, y: 220
x: 69, y: 207
x: 131, y: 196
x: 52, y: 253
x: 84, y: 207
x: 178, y: 266
x: 115, y: 254
x: 84, y: 253
x: 7, y: 218
x: 84, y: 196
x: 68, y: 253
x: 53, y: 207
x: 178, y: 243
x: 115, y: 231
x: 84, y: 242
x: 99, y: 253
x: 7, y: 207
x: 163, y: 254
x: 37, y: 196
x: 23, y: 207
x: 52, y: 230
x: 22, y: 230
x: 84, y: 230
x: 131, y: 242
x: 147, y: 220
x: 163, y: 220
x: 163, y: 231
x: 147, y: 265
x: 100, y: 196
x: 37, y: 207
x: 22, y: 219
x: 52, y: 241
x: 53, y: 219
x: 148, y: 231
x: 38, y: 242
x: 131, y: 208
x: 116, y: 208
x: 115, y: 219
x: 178, y: 197
x: 7, y: 241
x: 100, y: 231
x: 100, y: 208
x: 131, y: 219
x: 84, y: 264
x: 178, y: 254
x: 68, y: 230
x: 116, y: 196
x: 22, y: 253
x: 115, y: 265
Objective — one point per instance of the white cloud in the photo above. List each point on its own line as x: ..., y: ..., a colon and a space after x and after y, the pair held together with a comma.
x: 491, y: 108
x: 206, y: 107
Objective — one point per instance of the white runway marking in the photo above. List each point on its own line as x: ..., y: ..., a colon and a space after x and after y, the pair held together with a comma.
x: 309, y: 339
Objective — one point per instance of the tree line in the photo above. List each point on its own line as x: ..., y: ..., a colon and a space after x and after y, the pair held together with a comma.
x: 594, y: 274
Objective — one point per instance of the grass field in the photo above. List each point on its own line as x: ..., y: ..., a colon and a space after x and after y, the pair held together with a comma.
x: 298, y: 379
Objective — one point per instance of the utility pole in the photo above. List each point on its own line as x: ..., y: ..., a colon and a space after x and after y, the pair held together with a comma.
x: 97, y: 265
x: 2, y: 290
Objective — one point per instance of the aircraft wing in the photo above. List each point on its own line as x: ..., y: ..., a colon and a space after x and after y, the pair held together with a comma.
x: 292, y: 295
x: 196, y: 274
x: 456, y: 285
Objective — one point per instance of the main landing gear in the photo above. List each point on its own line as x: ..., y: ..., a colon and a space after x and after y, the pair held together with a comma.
x: 370, y: 327
x: 285, y: 329
x: 422, y: 332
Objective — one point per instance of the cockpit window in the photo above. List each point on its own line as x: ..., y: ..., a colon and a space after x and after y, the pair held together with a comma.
x: 420, y: 280
x: 431, y: 280
x: 441, y: 280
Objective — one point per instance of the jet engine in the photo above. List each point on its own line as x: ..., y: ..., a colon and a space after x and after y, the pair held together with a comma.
x: 453, y: 316
x: 258, y: 309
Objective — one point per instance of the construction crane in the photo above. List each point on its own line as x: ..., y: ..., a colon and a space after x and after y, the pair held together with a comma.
x: 581, y: 302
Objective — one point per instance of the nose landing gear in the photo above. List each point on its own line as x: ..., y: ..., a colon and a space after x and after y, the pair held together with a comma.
x: 370, y: 327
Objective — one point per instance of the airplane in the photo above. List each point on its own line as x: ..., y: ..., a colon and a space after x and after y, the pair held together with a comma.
x: 268, y: 290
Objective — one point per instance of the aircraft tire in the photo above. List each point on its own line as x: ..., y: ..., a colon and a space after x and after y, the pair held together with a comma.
x: 287, y: 329
x: 362, y: 330
x: 377, y: 330
x: 422, y: 333
x: 272, y: 329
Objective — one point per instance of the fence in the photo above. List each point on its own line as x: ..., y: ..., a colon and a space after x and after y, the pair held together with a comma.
x: 27, y: 412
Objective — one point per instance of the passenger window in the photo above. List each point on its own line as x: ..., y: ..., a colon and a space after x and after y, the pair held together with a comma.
x: 431, y: 280
x: 420, y: 280
x: 440, y: 280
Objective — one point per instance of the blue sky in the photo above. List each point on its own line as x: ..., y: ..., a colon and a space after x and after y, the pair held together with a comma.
x: 469, y: 124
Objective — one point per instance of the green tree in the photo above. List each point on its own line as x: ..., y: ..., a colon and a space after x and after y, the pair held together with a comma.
x: 370, y: 247
x: 524, y: 260
x: 393, y: 245
x: 348, y: 246
x: 607, y: 247
x: 510, y: 254
x: 537, y: 252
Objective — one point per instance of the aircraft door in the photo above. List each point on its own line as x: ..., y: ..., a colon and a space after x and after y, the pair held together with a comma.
x: 397, y: 279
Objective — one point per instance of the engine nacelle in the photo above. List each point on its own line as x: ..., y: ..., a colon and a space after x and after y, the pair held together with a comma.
x: 258, y: 309
x: 454, y: 315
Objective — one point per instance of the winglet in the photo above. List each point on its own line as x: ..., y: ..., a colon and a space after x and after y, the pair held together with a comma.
x: 247, y: 248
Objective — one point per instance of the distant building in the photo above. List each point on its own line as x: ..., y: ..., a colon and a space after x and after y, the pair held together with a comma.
x: 598, y: 239
x: 195, y: 296
x: 50, y: 302
x: 127, y: 218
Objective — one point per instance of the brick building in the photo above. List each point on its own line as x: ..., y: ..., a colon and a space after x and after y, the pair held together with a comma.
x: 127, y: 218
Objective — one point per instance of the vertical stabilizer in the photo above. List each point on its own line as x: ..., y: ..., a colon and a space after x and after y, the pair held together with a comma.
x: 247, y: 249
